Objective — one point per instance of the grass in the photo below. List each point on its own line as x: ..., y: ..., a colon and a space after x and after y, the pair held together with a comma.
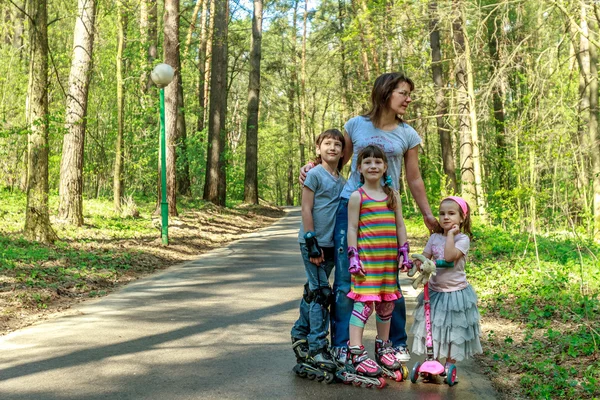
x: 108, y: 250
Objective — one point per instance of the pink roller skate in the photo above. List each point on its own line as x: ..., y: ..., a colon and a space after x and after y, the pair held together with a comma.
x: 360, y: 369
x: 386, y: 358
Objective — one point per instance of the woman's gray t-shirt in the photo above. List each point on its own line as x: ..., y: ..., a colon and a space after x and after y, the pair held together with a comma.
x: 327, y: 189
x: 394, y: 143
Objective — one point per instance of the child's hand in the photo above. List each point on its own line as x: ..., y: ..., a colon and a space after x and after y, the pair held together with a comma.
x: 454, y: 230
x: 418, y: 264
x: 356, y: 267
x: 318, y: 260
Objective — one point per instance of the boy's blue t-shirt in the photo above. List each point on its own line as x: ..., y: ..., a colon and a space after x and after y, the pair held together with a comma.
x: 327, y: 189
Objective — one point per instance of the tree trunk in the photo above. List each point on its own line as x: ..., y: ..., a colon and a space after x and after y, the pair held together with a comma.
x: 443, y: 127
x: 208, y: 60
x: 302, y: 99
x: 71, y: 166
x: 149, y: 42
x: 122, y: 20
x: 251, y: 167
x: 500, y: 162
x: 202, y: 67
x: 215, y: 164
x: 477, y: 172
x: 171, y: 57
x: 594, y: 137
x: 37, y: 216
x: 466, y: 147
x: 192, y: 27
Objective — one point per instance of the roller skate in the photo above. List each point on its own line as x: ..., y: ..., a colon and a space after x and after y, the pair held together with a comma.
x: 390, y: 366
x: 360, y: 370
x: 318, y: 367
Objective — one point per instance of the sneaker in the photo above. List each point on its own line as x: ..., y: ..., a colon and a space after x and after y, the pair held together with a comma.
x: 340, y: 354
x: 402, y: 354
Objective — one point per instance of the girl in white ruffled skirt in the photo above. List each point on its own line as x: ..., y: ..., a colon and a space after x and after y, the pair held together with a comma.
x: 454, y: 314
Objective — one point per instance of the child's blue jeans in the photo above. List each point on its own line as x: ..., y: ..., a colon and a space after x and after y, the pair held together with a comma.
x: 313, y: 323
x: 342, y: 309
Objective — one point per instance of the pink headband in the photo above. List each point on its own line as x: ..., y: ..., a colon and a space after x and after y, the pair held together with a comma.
x: 461, y: 202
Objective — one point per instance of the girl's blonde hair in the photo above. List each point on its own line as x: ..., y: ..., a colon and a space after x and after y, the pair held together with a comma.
x: 376, y: 152
x: 330, y: 134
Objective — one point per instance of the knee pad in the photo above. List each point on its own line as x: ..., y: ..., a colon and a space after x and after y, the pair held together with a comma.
x: 308, y: 294
x: 384, y: 311
x: 360, y: 314
x: 323, y: 296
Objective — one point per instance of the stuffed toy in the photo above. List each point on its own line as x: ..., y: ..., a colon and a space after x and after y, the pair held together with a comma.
x: 428, y: 269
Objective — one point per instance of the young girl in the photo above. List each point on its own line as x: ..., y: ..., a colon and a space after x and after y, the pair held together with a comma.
x: 320, y: 199
x: 375, y: 232
x: 454, y: 314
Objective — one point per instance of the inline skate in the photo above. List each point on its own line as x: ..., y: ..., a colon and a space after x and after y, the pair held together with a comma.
x: 360, y: 370
x: 318, y: 366
x: 390, y: 366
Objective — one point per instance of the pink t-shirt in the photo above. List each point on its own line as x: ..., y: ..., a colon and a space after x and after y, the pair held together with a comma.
x: 448, y: 279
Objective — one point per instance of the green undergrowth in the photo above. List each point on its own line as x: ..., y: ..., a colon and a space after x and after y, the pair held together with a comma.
x: 109, y: 249
x: 547, y: 290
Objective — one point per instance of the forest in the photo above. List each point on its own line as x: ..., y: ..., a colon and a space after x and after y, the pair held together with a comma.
x: 506, y: 104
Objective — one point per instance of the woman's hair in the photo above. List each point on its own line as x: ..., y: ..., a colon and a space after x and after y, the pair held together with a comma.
x: 376, y: 152
x: 330, y: 134
x: 382, y: 91
x: 465, y: 226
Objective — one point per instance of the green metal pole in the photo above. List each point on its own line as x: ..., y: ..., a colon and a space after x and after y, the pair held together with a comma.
x: 164, y: 206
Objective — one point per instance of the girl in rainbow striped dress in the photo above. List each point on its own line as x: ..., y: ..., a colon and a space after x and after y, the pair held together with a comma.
x: 375, y: 232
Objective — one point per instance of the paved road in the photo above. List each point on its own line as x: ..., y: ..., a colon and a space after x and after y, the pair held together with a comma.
x: 214, y: 328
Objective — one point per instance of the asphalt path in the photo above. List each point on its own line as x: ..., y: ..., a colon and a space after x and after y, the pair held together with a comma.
x: 214, y: 328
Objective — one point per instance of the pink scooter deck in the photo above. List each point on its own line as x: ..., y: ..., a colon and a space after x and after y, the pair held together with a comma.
x: 432, y: 367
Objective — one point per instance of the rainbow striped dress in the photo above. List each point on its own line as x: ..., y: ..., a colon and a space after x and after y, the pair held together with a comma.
x: 378, y: 249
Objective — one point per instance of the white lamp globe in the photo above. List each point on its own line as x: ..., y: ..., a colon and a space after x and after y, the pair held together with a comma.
x: 162, y: 75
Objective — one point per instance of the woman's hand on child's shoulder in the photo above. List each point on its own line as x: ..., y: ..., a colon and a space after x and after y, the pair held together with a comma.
x: 303, y: 171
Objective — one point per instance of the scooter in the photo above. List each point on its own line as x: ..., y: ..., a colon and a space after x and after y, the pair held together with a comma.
x: 431, y: 366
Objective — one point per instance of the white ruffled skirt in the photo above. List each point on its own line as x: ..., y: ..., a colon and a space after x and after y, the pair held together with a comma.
x: 454, y: 324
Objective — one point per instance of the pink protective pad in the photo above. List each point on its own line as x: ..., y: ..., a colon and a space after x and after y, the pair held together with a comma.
x: 432, y: 367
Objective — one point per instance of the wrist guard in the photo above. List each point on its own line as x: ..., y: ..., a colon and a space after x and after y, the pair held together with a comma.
x: 403, y: 251
x: 310, y: 241
x: 444, y: 264
x: 355, y: 264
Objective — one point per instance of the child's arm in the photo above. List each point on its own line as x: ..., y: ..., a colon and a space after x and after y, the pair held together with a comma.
x: 308, y: 200
x: 352, y: 238
x: 451, y: 253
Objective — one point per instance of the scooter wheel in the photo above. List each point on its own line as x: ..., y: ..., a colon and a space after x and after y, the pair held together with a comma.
x: 414, y: 373
x: 451, y: 375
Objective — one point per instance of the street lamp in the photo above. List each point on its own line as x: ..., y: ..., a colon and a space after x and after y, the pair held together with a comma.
x: 162, y: 75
